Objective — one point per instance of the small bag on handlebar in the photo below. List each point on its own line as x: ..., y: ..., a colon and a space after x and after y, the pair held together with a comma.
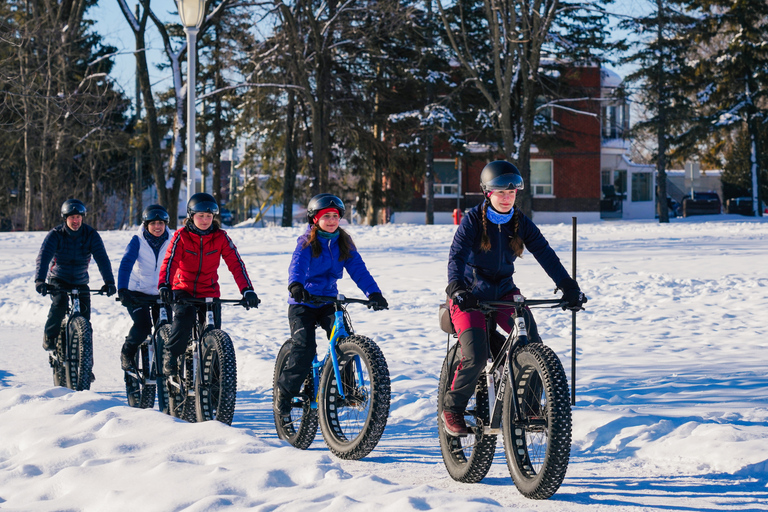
x: 444, y: 317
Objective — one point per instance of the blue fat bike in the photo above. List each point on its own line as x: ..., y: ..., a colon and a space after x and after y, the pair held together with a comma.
x: 147, y: 381
x: 523, y: 395
x: 347, y: 392
x: 72, y: 358
x: 205, y: 385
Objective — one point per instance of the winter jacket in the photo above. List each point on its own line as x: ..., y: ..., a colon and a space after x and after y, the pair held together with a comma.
x: 319, y: 275
x: 192, y: 261
x: 144, y: 277
x: 488, y: 275
x: 69, y: 253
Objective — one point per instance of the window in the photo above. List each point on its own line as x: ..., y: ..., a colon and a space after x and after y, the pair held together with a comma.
x: 613, y: 182
x: 446, y: 178
x: 541, y: 178
x: 641, y: 186
x: 615, y: 119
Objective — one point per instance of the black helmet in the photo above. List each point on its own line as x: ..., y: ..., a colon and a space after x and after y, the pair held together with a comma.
x: 500, y: 175
x: 202, y: 203
x: 73, y: 207
x: 154, y: 212
x: 321, y: 202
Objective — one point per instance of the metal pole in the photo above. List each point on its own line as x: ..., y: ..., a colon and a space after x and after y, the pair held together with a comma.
x: 191, y: 53
x: 573, y: 322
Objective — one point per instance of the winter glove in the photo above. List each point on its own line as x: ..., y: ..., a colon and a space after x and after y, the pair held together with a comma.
x: 573, y: 298
x: 465, y: 301
x: 299, y: 293
x: 125, y: 297
x: 166, y: 295
x: 41, y: 287
x: 109, y: 288
x: 250, y: 299
x: 378, y: 300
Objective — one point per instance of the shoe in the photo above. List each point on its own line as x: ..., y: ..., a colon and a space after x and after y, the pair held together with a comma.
x: 49, y: 344
x: 127, y: 358
x: 454, y: 424
x: 170, y: 366
x: 282, y: 404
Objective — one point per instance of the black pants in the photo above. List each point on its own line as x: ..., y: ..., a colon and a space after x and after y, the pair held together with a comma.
x: 144, y: 317
x: 59, y: 303
x: 303, y: 320
x: 473, y: 353
x: 184, y: 316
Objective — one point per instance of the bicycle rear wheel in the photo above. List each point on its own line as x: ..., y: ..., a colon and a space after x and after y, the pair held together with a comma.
x: 538, y: 447
x: 301, y: 430
x: 80, y: 355
x: 467, y: 458
x: 217, y: 391
x: 157, y: 370
x: 353, y: 425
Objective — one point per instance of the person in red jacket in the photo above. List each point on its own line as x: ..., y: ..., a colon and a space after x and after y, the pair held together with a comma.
x: 190, y: 269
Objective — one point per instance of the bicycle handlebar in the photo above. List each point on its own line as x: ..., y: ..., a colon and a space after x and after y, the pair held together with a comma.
x: 208, y: 300
x: 340, y: 299
x: 492, y: 305
x: 55, y: 288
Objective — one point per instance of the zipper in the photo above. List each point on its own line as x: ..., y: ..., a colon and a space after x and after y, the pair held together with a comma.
x: 199, y: 268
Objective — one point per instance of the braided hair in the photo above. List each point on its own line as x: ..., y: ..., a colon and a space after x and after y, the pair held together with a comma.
x: 346, y: 245
x: 515, y: 242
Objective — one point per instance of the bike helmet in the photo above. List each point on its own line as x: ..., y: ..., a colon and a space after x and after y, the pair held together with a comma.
x: 500, y: 175
x: 154, y: 212
x: 73, y: 207
x: 202, y: 203
x: 321, y: 202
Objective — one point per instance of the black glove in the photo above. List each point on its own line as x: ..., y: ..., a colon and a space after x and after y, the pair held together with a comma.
x: 251, y: 299
x: 465, y: 300
x: 41, y: 287
x: 109, y: 288
x: 125, y: 297
x: 166, y: 295
x: 573, y: 298
x: 299, y: 293
x: 379, y: 302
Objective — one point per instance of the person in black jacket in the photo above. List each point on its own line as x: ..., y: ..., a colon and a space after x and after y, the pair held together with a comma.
x: 63, y: 259
x: 491, y: 236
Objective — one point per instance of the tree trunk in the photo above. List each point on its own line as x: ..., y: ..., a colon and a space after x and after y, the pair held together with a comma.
x: 289, y: 173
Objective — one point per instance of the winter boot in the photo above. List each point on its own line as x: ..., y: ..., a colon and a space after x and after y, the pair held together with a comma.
x: 454, y: 424
x: 170, y: 367
x: 282, y: 404
x: 49, y: 344
x: 128, y: 357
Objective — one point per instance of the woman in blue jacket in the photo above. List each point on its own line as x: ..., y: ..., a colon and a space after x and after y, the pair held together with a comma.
x: 320, y: 257
x: 138, y: 276
x: 491, y: 236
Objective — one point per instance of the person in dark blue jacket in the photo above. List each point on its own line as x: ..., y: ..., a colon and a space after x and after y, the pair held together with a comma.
x: 320, y: 257
x: 63, y: 259
x: 491, y: 236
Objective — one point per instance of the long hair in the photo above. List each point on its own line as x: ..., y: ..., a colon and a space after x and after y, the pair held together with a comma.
x: 346, y: 245
x: 515, y: 243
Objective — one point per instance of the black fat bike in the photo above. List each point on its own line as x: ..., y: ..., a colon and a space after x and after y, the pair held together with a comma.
x: 523, y: 395
x: 348, y: 391
x: 205, y: 385
x: 142, y: 385
x: 72, y: 357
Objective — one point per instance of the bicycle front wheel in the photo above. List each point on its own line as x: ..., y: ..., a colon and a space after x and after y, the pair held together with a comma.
x: 301, y: 430
x: 466, y: 458
x: 217, y: 390
x: 353, y: 425
x: 178, y: 389
x: 59, y: 356
x: 538, y: 447
x: 80, y: 354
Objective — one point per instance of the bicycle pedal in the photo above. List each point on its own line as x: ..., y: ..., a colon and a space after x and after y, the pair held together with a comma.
x: 133, y: 375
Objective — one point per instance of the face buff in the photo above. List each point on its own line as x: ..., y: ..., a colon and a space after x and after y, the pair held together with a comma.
x: 499, y: 218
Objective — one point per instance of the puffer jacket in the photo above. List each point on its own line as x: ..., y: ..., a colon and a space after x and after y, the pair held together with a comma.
x: 192, y: 261
x: 66, y: 255
x: 488, y: 275
x: 319, y: 275
x: 144, y: 277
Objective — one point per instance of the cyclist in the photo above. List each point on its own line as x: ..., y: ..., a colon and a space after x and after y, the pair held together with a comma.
x: 190, y: 269
x: 321, y: 255
x: 138, y: 276
x: 63, y: 259
x: 480, y: 266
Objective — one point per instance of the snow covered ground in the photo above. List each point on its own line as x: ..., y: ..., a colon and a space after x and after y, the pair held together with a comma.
x: 672, y: 385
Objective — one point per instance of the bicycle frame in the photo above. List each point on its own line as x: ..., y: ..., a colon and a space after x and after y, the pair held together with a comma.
x: 162, y: 318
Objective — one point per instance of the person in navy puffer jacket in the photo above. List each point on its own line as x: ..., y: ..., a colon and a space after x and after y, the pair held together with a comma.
x: 63, y: 259
x: 138, y: 276
x: 491, y: 236
x: 319, y: 260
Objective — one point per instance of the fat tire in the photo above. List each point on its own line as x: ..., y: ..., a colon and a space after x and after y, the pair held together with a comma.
x: 353, y: 429
x: 80, y: 354
x: 179, y: 403
x: 59, y: 356
x: 302, y: 429
x: 537, y: 455
x: 162, y: 395
x: 467, y: 459
x: 217, y: 393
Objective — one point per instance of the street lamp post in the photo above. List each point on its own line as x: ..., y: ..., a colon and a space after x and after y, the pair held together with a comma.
x: 191, y: 13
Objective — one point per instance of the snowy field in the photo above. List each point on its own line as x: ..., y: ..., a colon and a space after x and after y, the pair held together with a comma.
x: 672, y: 384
